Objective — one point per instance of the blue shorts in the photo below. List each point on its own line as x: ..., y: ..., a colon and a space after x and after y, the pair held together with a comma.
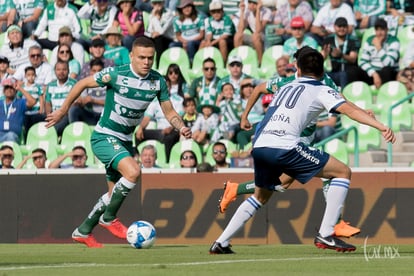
x: 302, y: 163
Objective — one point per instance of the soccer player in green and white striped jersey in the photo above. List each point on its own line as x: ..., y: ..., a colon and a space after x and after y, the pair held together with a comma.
x: 130, y: 90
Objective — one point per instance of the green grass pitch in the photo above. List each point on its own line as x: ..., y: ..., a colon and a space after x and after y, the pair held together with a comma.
x: 171, y: 260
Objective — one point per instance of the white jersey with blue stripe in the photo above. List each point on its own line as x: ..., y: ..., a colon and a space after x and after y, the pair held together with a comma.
x: 292, y: 109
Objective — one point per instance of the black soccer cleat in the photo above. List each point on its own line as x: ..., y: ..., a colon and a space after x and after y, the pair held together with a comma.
x: 331, y: 242
x: 216, y: 248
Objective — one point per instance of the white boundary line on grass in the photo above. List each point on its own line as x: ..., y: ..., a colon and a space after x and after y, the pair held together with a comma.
x: 80, y: 265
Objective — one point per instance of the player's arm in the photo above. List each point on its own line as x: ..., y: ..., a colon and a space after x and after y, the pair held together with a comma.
x: 142, y: 126
x: 358, y: 114
x: 54, y: 117
x: 175, y: 119
x: 258, y: 90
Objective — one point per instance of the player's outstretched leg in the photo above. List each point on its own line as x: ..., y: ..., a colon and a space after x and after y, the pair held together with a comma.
x: 217, y: 248
x: 82, y: 233
x: 246, y: 210
x: 335, y: 197
x: 87, y: 240
x: 231, y: 190
x: 332, y: 242
x: 108, y: 220
x: 342, y: 228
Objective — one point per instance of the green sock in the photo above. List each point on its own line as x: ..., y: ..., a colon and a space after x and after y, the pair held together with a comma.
x: 119, y: 193
x: 246, y: 188
x: 93, y: 218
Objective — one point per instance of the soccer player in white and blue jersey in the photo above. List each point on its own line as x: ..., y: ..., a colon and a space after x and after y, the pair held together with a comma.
x: 130, y: 90
x: 278, y: 149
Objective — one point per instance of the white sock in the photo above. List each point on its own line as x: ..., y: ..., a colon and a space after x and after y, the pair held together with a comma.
x: 245, y: 211
x: 105, y: 199
x: 130, y: 185
x: 335, y: 198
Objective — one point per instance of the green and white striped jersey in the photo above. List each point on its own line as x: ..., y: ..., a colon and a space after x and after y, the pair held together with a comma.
x: 127, y: 98
x: 35, y: 91
x: 56, y: 94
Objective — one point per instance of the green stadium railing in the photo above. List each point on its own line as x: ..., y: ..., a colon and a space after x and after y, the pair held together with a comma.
x: 341, y: 134
x: 389, y: 146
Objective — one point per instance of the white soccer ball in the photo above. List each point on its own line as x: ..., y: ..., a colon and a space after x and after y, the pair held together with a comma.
x: 141, y: 234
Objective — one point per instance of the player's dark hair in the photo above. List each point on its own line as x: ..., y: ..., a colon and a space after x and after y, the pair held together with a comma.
x: 309, y: 61
x: 143, y: 41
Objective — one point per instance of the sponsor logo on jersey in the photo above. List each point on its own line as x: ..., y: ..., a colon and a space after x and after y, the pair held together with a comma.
x: 150, y: 96
x: 153, y: 85
x: 120, y: 109
x: 123, y: 90
x: 133, y: 114
x: 336, y: 94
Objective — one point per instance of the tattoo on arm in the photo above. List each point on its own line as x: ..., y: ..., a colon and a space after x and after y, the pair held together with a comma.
x: 176, y: 122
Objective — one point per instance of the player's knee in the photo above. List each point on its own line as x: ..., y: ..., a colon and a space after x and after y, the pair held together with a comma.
x: 348, y: 172
x: 345, y: 172
x: 132, y: 173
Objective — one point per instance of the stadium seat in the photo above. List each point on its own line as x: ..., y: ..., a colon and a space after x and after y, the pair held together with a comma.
x: 186, y: 75
x: 231, y: 147
x: 405, y: 36
x: 39, y: 136
x: 145, y: 16
x: 160, y: 148
x: 77, y: 134
x: 181, y: 146
x: 201, y: 55
x: 249, y: 58
x: 175, y: 55
x: 18, y: 156
x: 86, y: 30
x: 268, y: 64
x: 368, y: 137
x: 401, y: 117
x: 47, y: 54
x: 337, y: 148
x: 367, y: 33
x: 388, y: 94
x: 360, y: 93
